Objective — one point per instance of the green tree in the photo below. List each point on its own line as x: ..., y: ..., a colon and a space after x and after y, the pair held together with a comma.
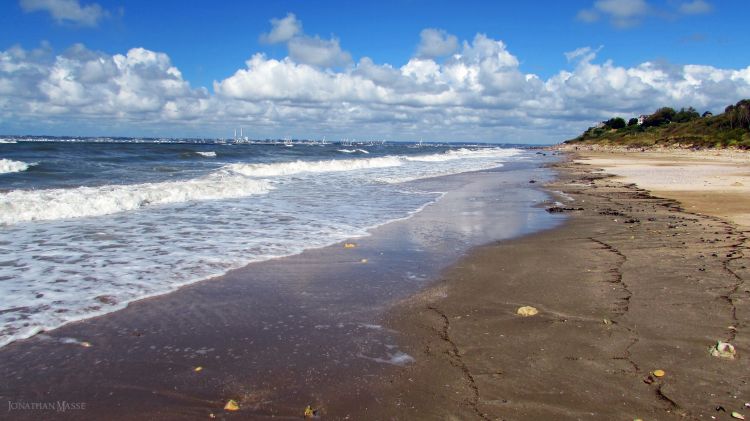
x: 660, y: 117
x: 739, y: 114
x: 685, y: 115
x: 615, y: 123
x: 633, y: 122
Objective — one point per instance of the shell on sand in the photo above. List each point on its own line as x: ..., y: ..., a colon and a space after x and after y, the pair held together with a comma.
x: 527, y: 311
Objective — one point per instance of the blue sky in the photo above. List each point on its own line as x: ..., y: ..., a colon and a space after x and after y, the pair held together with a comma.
x: 364, y: 69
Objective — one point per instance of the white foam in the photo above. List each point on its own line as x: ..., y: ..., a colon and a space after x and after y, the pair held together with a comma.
x: 56, y: 271
x: 353, y: 151
x: 297, y: 167
x: 231, y: 181
x: 209, y: 154
x: 451, y: 162
x: 339, y: 165
x: 464, y: 153
x: 9, y: 166
x: 397, y: 358
x: 35, y: 205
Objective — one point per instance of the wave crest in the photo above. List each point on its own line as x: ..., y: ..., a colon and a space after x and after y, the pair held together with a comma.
x: 9, y: 166
x: 296, y: 167
x: 38, y: 205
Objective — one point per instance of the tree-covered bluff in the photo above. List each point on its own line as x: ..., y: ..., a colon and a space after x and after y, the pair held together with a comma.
x: 667, y: 126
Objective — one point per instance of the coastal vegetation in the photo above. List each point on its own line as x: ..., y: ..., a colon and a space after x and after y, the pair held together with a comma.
x: 667, y: 126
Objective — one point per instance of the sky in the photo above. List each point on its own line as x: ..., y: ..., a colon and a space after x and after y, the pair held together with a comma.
x: 491, y: 71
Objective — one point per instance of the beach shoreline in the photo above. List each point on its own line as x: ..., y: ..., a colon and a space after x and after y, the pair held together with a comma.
x: 274, y: 336
x: 629, y: 283
x: 632, y: 283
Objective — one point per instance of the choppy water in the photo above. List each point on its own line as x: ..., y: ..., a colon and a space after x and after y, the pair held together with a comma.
x: 86, y: 227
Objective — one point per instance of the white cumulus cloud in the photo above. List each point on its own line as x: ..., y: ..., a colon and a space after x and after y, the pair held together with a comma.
x: 318, y: 52
x: 436, y: 43
x: 67, y: 11
x: 303, y: 48
x: 81, y: 83
x: 282, y: 30
x: 479, y: 92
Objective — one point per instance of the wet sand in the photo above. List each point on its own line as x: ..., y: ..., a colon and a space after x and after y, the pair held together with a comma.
x: 631, y: 283
x: 275, y: 336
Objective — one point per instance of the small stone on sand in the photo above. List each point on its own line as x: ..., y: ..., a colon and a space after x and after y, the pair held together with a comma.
x: 723, y: 350
x: 232, y: 405
x: 527, y: 311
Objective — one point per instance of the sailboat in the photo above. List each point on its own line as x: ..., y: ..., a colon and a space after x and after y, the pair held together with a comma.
x: 417, y: 145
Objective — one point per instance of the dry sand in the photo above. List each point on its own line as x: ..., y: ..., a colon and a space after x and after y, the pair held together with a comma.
x: 632, y: 283
x: 711, y: 182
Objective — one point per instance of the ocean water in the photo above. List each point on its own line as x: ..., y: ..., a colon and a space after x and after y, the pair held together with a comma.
x: 87, y: 227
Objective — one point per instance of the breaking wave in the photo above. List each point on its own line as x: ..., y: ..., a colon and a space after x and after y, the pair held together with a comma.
x: 9, y: 166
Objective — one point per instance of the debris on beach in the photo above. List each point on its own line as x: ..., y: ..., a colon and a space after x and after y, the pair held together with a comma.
x: 86, y: 344
x: 349, y: 245
x: 560, y: 209
x: 232, y: 405
x: 310, y: 412
x: 654, y: 376
x: 197, y: 369
x: 363, y: 261
x: 527, y: 311
x: 723, y: 350
x: 737, y: 415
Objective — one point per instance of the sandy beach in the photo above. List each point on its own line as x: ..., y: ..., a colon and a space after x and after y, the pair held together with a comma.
x: 397, y: 211
x: 712, y: 182
x: 637, y: 279
x: 635, y: 282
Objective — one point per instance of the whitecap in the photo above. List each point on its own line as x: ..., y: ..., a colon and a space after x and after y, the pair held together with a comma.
x: 9, y: 166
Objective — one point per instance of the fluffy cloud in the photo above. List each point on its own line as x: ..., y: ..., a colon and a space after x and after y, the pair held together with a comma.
x: 305, y: 49
x: 141, y: 84
x: 436, y: 43
x: 478, y: 92
x: 282, y: 30
x: 318, y: 52
x: 66, y: 11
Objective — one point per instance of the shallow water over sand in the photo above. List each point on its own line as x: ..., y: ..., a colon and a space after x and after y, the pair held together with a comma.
x: 275, y: 335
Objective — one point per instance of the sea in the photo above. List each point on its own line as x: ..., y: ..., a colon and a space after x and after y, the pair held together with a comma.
x: 90, y: 225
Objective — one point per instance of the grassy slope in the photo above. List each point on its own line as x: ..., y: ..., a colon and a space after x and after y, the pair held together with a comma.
x: 706, y: 132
